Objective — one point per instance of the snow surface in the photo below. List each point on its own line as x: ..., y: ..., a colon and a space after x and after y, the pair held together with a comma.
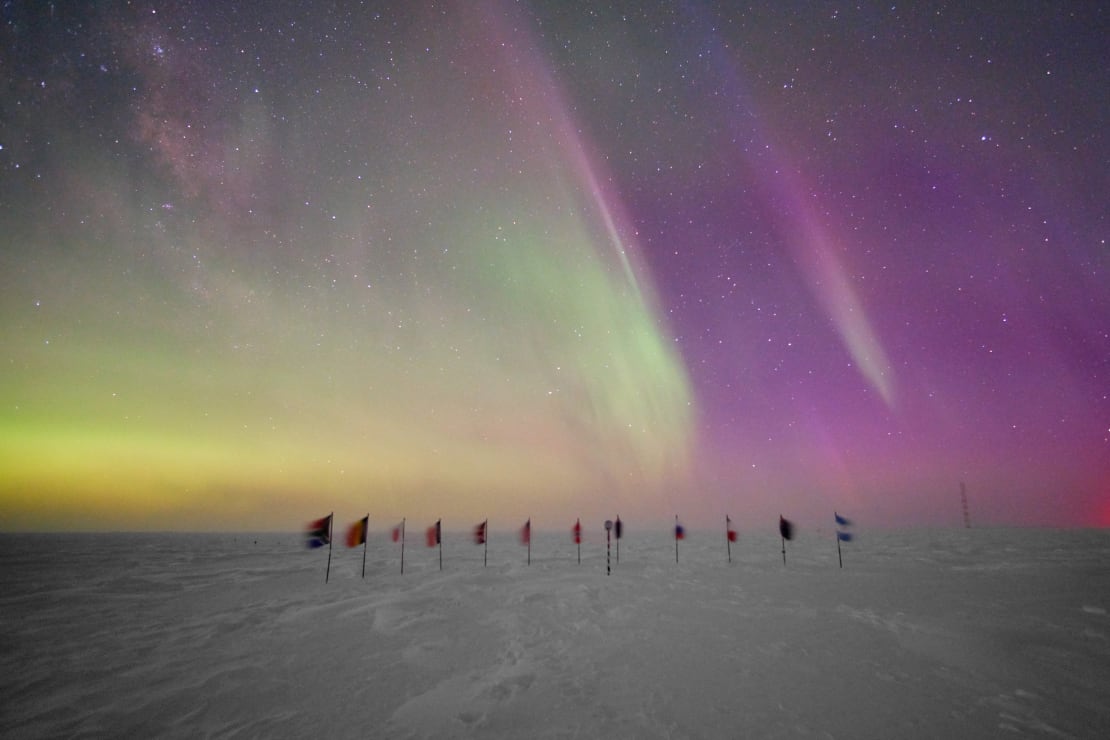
x: 923, y: 634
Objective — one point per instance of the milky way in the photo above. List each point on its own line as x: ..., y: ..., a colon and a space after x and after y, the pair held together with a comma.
x: 555, y: 260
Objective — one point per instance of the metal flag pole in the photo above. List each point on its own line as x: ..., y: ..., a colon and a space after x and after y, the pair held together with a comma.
x: 578, y: 538
x: 485, y: 541
x: 963, y: 498
x: 402, y: 545
x: 676, y: 538
x: 728, y: 538
x: 619, y: 532
x: 782, y: 533
x: 439, y: 541
x: 327, y: 573
x: 836, y: 533
x: 365, y: 537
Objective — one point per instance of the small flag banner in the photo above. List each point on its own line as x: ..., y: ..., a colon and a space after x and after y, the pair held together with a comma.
x: 786, y: 529
x: 526, y: 538
x: 618, y: 528
x: 679, y: 531
x: 432, y: 536
x: 481, y: 539
x: 356, y: 533
x: 841, y: 535
x: 319, y: 532
x: 842, y: 523
x: 397, y: 533
x: 577, y: 532
x: 318, y: 535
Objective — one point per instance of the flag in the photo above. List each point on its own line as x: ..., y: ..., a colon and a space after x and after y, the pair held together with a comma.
x: 432, y: 536
x: 397, y: 532
x: 679, y: 531
x: 480, y: 533
x: 618, y: 528
x: 841, y: 535
x: 356, y: 534
x: 577, y: 531
x: 526, y: 533
x: 786, y: 528
x: 730, y: 532
x: 319, y: 532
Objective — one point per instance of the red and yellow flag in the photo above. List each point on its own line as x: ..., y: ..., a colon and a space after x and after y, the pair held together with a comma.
x: 356, y: 533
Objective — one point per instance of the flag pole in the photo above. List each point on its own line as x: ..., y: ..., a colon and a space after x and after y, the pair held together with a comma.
x: 728, y: 542
x: 331, y: 519
x: 618, y: 539
x: 578, y: 536
x: 783, y: 535
x: 836, y: 533
x: 529, y: 525
x: 485, y: 541
x: 439, y: 541
x: 365, y: 538
x: 608, y: 546
x: 402, y: 545
x: 676, y: 538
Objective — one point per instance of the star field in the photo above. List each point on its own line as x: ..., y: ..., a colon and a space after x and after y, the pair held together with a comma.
x: 549, y: 259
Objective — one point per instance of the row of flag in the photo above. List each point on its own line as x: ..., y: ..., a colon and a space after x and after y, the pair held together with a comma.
x: 319, y: 533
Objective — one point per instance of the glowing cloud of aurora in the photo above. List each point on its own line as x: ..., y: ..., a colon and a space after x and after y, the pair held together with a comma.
x: 394, y: 338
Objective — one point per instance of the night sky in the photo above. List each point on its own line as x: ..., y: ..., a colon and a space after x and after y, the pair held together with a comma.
x: 260, y: 261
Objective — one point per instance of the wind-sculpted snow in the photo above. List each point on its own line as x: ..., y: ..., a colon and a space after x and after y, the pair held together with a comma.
x: 923, y: 634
